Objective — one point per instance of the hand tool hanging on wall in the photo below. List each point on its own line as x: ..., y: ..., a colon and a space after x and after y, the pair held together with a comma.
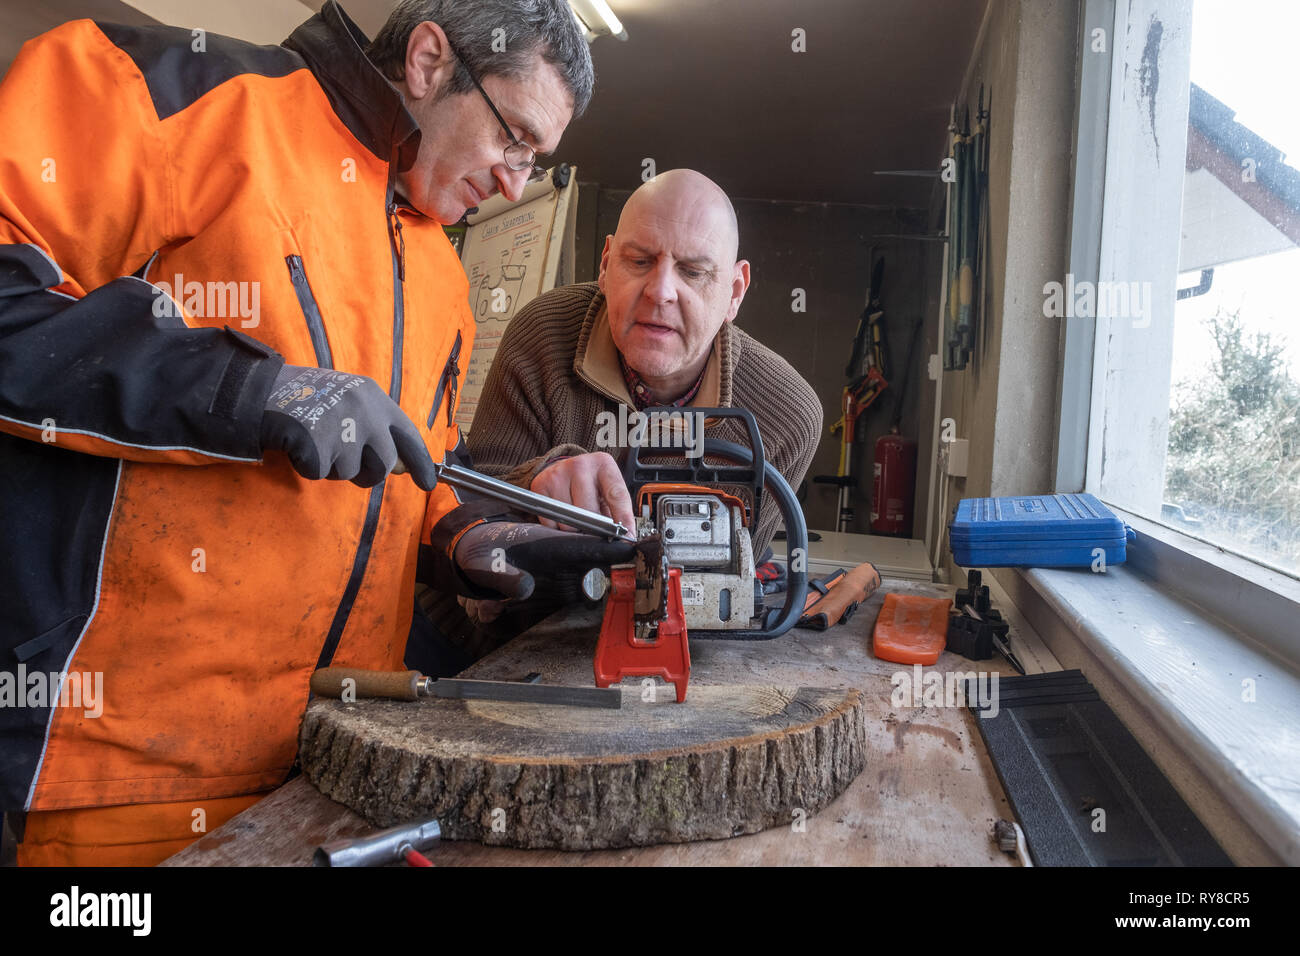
x: 960, y: 339
x: 870, y: 329
x: 870, y: 345
x: 967, y: 217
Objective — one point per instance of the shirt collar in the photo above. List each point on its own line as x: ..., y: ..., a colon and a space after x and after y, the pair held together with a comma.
x: 598, y: 363
x: 367, y: 103
x: 644, y: 397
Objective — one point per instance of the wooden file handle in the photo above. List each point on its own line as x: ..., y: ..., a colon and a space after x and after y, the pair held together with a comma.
x: 395, y: 685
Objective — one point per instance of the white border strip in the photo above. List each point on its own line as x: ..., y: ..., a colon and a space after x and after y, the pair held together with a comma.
x: 126, y: 444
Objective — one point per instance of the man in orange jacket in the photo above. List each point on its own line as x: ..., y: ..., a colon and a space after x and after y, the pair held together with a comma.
x: 223, y: 277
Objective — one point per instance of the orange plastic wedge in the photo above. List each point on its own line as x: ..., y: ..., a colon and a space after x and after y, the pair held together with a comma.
x: 911, y: 629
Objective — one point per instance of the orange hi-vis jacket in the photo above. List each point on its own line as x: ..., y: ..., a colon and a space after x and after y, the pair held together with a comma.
x: 167, y: 591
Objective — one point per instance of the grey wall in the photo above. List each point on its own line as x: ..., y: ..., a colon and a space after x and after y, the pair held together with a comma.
x: 1005, y: 402
x: 19, y: 22
x: 823, y: 249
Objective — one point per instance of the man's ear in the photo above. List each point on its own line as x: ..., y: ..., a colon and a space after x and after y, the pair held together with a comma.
x: 739, y: 283
x: 429, y: 61
x: 604, y: 262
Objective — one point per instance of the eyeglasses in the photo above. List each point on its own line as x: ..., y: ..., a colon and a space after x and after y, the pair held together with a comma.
x: 519, y: 156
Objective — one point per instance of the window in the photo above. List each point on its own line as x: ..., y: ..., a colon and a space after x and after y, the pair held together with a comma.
x: 1232, y: 470
x: 1194, y: 398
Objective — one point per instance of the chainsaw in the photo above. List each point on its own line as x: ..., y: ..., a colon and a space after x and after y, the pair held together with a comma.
x: 693, y: 567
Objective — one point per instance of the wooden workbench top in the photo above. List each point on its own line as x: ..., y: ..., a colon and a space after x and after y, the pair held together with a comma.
x: 928, y: 797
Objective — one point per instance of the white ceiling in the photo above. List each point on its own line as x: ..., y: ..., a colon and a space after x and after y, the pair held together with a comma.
x: 714, y: 84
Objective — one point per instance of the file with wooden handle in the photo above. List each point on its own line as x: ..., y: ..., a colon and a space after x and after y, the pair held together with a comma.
x: 411, y: 685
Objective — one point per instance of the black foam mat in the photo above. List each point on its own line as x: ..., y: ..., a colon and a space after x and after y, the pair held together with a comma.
x: 1062, y: 754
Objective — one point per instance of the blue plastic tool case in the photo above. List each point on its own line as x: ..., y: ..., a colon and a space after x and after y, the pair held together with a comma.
x: 1044, y: 531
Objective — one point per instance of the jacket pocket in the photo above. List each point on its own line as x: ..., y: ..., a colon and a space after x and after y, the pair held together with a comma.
x: 448, y: 383
x: 315, y: 324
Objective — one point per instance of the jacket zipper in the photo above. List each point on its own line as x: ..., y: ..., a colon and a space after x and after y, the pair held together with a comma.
x: 395, y: 230
x: 397, y: 249
x: 315, y: 323
x: 450, y: 375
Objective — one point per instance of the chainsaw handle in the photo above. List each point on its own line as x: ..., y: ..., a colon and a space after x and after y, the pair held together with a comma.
x: 796, y: 539
x: 694, y: 471
x: 747, y: 472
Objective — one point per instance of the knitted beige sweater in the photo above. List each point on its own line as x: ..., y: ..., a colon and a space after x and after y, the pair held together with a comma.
x: 556, y: 371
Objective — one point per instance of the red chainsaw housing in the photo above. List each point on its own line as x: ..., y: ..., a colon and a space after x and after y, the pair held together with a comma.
x: 619, y: 653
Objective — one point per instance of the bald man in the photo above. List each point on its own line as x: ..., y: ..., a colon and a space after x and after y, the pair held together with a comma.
x: 656, y: 329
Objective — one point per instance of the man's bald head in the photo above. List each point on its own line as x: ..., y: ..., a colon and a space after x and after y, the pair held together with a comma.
x: 671, y: 278
x: 695, y: 201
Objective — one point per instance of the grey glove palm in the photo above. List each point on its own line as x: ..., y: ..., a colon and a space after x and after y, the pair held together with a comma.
x: 513, y: 558
x: 342, y: 426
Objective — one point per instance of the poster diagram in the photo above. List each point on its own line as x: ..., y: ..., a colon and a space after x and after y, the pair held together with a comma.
x: 511, y: 256
x: 500, y: 294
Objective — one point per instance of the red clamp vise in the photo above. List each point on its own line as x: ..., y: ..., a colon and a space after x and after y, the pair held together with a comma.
x: 643, y: 633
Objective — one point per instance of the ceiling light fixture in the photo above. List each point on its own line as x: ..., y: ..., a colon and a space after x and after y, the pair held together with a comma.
x: 597, y: 19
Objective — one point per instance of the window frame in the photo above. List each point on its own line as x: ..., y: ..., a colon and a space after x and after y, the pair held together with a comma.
x: 1254, y: 598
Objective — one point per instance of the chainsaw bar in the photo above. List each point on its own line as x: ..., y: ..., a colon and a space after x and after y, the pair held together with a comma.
x: 650, y: 605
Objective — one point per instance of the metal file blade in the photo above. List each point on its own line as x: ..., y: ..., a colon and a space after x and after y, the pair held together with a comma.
x: 456, y: 688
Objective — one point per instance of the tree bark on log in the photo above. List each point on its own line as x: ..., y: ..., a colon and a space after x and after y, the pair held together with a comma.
x: 729, y: 760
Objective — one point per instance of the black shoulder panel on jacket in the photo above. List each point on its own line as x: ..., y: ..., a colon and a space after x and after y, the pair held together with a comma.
x: 177, y: 74
x: 370, y: 106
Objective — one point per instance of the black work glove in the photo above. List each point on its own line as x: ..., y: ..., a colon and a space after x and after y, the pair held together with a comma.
x: 516, y: 558
x: 342, y: 426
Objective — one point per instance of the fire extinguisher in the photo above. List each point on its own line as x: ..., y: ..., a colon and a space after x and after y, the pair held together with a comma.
x: 894, y: 485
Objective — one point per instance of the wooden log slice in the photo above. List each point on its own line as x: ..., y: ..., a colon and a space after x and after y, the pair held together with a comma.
x: 730, y: 760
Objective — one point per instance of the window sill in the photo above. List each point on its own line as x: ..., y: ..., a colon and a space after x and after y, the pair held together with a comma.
x: 1250, y: 598
x: 1189, y: 672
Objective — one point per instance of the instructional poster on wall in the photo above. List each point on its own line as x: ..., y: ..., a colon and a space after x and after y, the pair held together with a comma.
x: 512, y: 253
